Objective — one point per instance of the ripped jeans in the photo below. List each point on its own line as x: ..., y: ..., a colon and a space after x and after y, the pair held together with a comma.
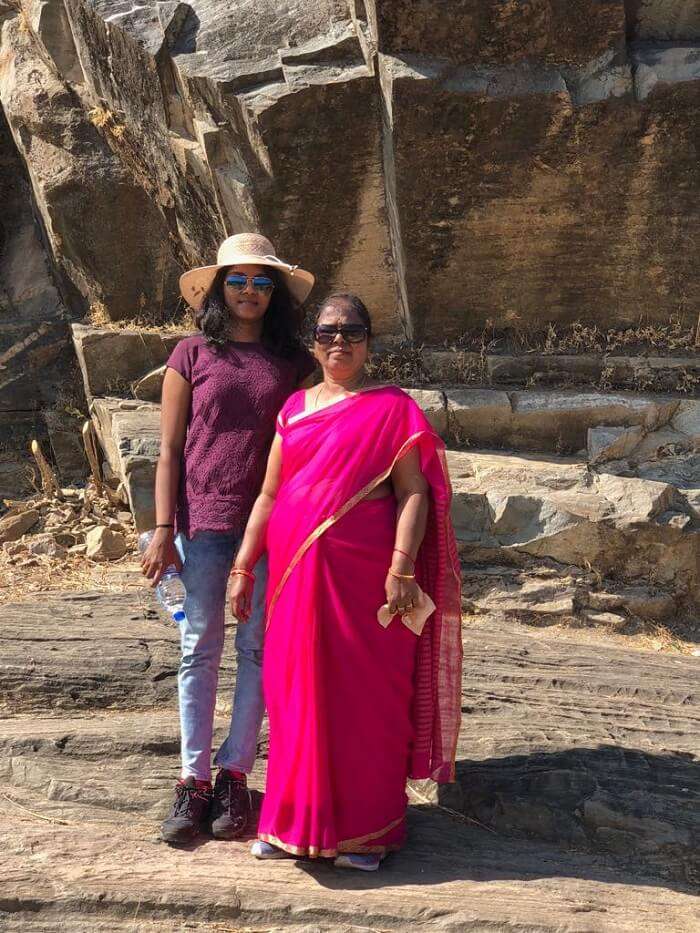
x: 207, y: 559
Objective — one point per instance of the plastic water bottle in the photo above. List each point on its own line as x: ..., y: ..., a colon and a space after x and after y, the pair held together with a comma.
x: 170, y: 590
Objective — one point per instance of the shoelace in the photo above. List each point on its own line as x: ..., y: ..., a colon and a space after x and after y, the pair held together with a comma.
x: 225, y: 793
x: 184, y: 796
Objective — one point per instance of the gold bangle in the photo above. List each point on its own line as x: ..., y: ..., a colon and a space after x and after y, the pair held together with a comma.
x: 240, y: 572
x: 402, y: 576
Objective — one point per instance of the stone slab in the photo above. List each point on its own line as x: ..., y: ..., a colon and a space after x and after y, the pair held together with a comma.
x: 567, y: 751
x: 633, y: 529
x: 110, y: 360
x: 129, y: 432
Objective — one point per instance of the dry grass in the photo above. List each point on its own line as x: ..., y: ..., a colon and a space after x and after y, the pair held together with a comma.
x: 516, y: 335
x: 105, y: 119
x: 179, y: 321
x: 21, y: 579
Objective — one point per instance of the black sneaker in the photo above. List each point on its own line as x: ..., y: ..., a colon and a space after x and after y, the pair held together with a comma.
x: 230, y: 806
x: 189, y: 814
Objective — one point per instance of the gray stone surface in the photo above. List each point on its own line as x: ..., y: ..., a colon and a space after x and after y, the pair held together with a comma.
x: 129, y: 432
x: 627, y: 528
x: 554, y: 420
x: 606, y: 443
x: 576, y: 760
x: 110, y: 360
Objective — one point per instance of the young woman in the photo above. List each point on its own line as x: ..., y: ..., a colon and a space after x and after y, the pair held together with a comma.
x: 354, y: 512
x: 221, y: 394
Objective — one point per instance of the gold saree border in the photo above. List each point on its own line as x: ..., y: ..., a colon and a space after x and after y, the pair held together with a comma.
x: 329, y: 522
x: 346, y: 845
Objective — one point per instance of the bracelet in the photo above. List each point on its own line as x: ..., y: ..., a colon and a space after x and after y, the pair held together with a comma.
x: 165, y: 526
x: 240, y: 572
x: 402, y: 576
x: 405, y: 554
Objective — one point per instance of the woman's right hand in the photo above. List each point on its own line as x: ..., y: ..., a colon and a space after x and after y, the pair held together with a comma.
x: 241, y: 596
x: 159, y: 555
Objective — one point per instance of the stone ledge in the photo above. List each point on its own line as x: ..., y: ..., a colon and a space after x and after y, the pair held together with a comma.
x: 633, y: 529
x: 110, y: 360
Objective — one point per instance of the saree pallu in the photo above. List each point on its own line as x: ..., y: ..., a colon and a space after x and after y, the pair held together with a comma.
x: 354, y: 709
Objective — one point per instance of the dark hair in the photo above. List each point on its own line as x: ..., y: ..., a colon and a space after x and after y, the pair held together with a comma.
x: 352, y: 302
x: 281, y: 330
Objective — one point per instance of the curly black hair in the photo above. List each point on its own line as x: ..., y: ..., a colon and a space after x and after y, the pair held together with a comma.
x: 351, y: 301
x: 282, y: 324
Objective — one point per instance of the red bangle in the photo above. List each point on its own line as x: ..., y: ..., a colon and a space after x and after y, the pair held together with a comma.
x: 412, y: 559
x: 238, y: 571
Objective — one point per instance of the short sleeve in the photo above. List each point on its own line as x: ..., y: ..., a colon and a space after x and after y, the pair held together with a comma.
x: 182, y: 359
x: 306, y: 364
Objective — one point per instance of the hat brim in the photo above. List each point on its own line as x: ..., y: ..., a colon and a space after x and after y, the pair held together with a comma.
x: 195, y: 284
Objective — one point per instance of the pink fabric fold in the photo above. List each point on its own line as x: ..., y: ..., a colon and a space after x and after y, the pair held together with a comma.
x: 354, y: 708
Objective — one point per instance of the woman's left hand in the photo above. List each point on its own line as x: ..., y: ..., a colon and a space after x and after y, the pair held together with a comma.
x: 401, y: 595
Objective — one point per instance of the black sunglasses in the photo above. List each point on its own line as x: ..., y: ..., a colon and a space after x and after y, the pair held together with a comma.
x: 260, y: 283
x: 352, y: 333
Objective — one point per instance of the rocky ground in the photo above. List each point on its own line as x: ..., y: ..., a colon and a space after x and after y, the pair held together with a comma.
x: 576, y: 802
x: 576, y: 807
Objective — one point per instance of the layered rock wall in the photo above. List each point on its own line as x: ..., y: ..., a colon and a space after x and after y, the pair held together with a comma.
x: 461, y: 164
x: 455, y: 163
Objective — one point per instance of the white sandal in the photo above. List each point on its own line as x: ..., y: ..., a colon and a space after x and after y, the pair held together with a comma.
x: 263, y: 850
x: 359, y: 861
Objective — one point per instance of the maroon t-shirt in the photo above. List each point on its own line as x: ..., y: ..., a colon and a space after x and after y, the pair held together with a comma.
x: 236, y: 394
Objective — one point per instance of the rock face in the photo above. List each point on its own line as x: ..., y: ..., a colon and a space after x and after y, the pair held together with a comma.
x: 626, y: 528
x: 577, y: 761
x: 459, y: 165
x: 35, y: 361
x: 186, y: 122
x: 129, y: 432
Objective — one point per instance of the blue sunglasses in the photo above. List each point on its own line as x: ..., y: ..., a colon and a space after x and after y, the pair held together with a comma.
x: 261, y: 283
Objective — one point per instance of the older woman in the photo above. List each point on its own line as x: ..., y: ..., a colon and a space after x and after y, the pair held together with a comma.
x: 354, y: 512
x: 222, y: 390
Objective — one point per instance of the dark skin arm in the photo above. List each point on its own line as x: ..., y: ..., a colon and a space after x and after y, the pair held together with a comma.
x: 411, y: 491
x: 161, y: 552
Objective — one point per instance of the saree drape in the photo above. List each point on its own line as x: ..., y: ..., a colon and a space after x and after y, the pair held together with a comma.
x: 354, y: 708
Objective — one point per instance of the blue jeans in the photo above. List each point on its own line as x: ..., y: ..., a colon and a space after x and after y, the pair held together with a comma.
x: 207, y: 559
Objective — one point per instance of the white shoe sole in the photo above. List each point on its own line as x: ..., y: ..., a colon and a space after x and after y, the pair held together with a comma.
x: 267, y: 856
x: 343, y: 861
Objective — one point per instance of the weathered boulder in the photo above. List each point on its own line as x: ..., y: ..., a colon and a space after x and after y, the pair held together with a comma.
x: 482, y: 417
x: 35, y: 362
x: 13, y: 527
x: 46, y: 545
x: 664, y: 20
x: 536, y: 148
x: 105, y: 544
x: 550, y: 420
x: 111, y: 360
x: 496, y: 33
x: 432, y: 404
x: 626, y: 528
x: 607, y: 443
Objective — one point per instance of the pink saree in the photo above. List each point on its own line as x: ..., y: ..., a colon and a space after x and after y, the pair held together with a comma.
x: 354, y: 708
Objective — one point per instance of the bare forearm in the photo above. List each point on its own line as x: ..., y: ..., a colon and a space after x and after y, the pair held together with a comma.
x: 411, y: 522
x: 167, y: 483
x: 253, y: 545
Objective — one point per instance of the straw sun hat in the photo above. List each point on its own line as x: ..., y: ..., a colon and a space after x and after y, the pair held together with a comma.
x: 244, y: 248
